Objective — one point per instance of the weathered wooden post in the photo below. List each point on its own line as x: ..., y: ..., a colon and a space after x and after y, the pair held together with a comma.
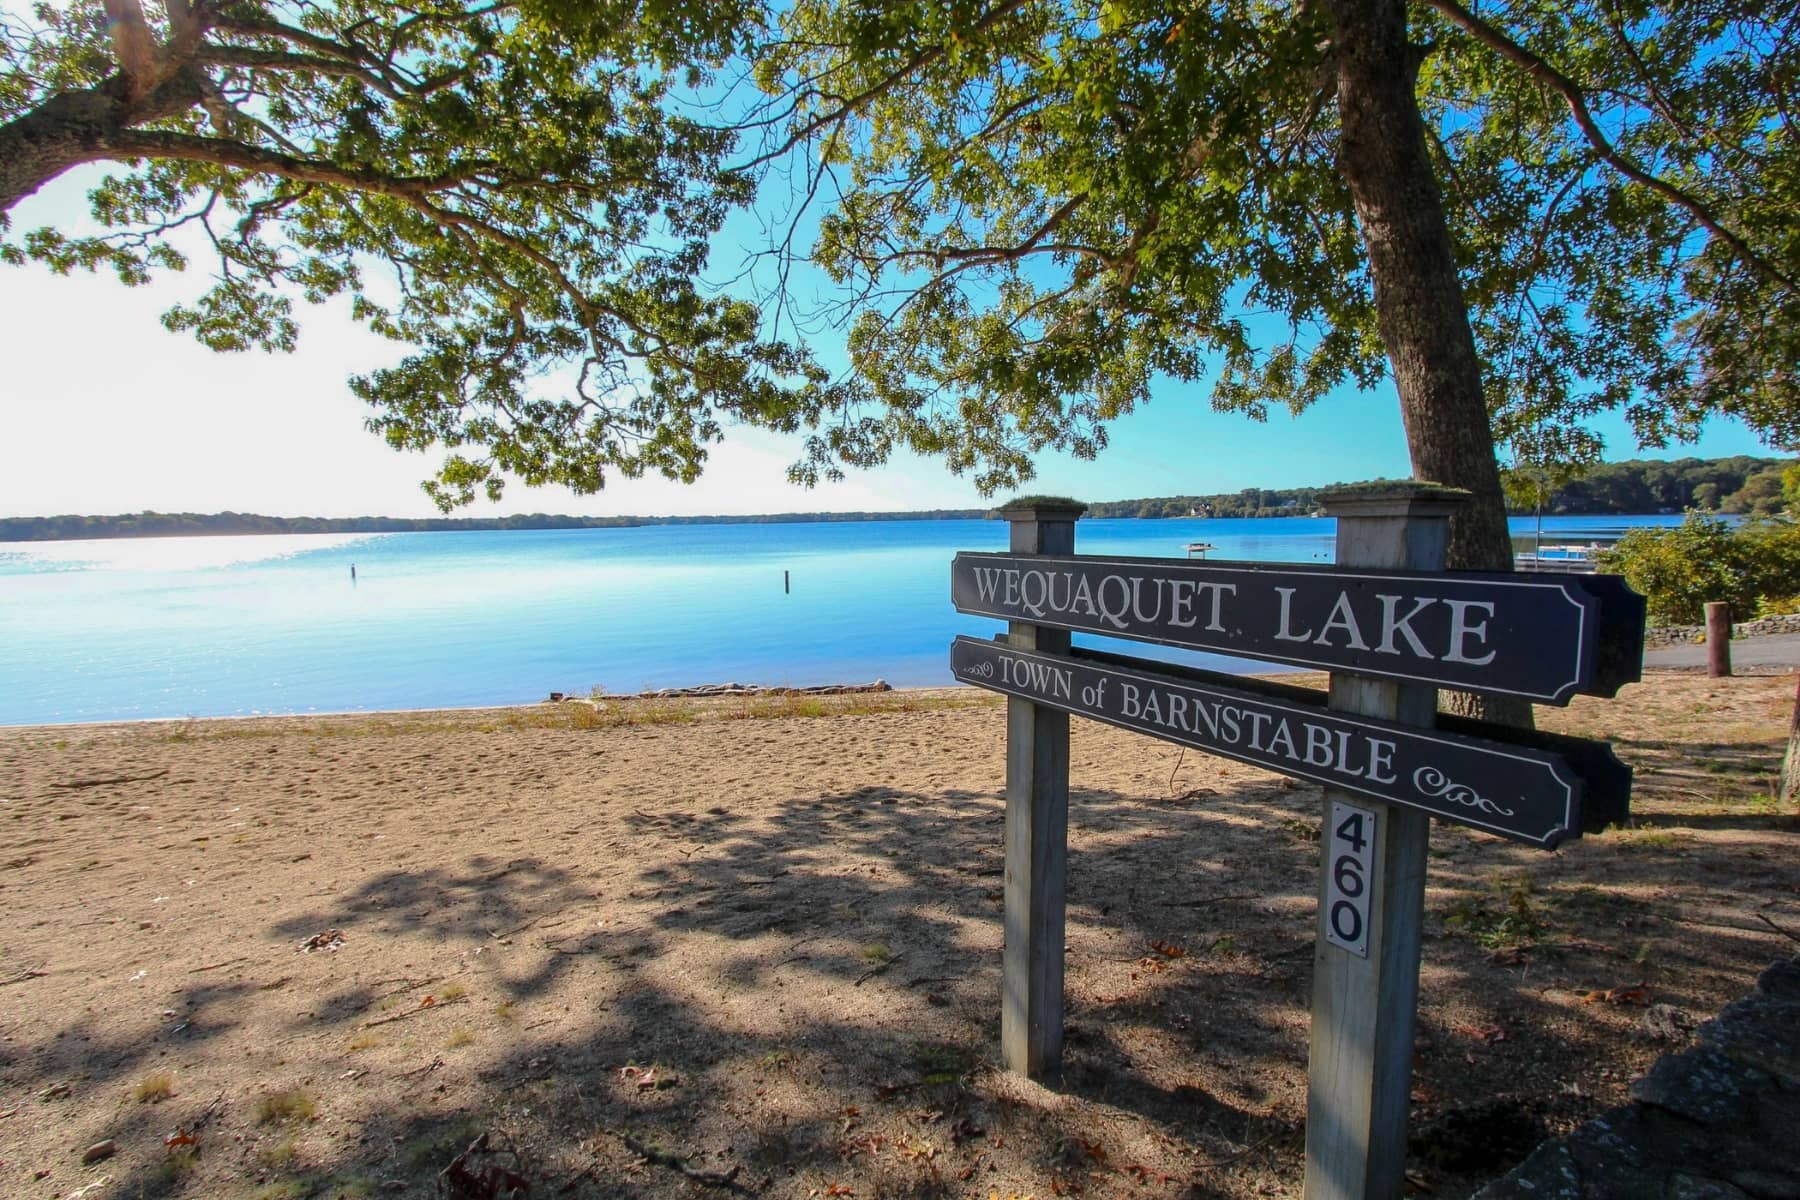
x: 1718, y: 638
x: 1371, y: 890
x: 1037, y: 825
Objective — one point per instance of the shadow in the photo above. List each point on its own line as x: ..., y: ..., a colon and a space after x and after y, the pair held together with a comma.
x: 1760, y: 822
x: 798, y: 992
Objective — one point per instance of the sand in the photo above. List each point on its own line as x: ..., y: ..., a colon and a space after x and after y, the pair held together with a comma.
x: 752, y: 947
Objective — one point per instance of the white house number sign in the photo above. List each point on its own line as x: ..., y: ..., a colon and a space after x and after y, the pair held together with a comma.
x: 1349, y: 859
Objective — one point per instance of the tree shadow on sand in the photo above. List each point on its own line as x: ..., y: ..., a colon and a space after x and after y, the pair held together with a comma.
x: 802, y: 1000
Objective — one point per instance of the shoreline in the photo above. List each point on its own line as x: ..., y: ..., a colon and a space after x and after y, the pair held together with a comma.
x: 710, y: 700
x: 1663, y: 640
x: 469, y: 711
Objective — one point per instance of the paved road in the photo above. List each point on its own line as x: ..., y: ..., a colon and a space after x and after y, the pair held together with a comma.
x: 1758, y: 655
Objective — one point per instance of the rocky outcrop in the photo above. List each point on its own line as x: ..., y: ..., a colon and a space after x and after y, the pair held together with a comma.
x: 1719, y: 1121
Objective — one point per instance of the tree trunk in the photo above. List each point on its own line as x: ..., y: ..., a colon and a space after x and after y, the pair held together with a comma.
x: 1419, y: 304
x: 71, y: 128
x: 1790, y: 762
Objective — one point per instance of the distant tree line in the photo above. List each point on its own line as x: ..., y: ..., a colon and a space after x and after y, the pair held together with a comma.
x: 1251, y: 502
x: 160, y: 524
x: 1751, y: 486
x: 1742, y: 484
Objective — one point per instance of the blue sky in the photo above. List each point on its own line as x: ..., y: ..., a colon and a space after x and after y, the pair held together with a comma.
x: 109, y: 413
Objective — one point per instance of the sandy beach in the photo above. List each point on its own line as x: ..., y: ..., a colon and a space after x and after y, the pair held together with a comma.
x: 746, y: 946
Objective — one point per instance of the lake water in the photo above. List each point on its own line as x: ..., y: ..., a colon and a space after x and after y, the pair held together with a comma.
x: 229, y: 626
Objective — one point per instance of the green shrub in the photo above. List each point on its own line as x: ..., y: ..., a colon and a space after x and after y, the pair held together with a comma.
x: 1774, y: 559
x: 1778, y: 606
x: 1680, y: 570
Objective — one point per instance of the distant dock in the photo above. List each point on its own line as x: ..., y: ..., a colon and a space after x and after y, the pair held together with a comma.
x: 1572, y: 560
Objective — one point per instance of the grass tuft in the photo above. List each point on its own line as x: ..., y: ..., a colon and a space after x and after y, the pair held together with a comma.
x: 159, y: 1086
x: 279, y: 1155
x: 291, y: 1104
x: 1509, y: 917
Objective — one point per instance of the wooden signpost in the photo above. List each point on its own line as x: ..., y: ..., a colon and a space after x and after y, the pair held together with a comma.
x: 1392, y: 626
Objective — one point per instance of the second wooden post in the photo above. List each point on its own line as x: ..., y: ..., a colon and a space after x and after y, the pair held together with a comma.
x: 1718, y: 638
x: 1371, y: 892
x: 1037, y: 828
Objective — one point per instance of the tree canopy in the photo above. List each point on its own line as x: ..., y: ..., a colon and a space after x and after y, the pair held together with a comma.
x: 1625, y: 180
x: 1044, y: 209
x: 505, y: 187
x: 1525, y: 213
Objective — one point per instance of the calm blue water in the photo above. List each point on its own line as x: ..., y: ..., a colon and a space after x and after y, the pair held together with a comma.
x: 223, y: 626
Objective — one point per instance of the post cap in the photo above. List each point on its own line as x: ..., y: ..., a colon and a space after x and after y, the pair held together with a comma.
x: 1042, y: 508
x: 1394, y: 498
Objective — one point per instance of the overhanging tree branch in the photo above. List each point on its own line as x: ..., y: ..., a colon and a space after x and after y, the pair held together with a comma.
x: 306, y: 64
x: 1576, y: 99
x: 845, y: 106
x: 184, y: 147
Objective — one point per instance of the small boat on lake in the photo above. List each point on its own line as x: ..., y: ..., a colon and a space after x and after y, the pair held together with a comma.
x: 1577, y: 560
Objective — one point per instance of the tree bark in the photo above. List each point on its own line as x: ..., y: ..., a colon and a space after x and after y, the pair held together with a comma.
x: 1790, y: 762
x: 71, y: 128
x: 1419, y: 305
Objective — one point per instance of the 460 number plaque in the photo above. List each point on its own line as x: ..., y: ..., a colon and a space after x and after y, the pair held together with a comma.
x: 1349, y: 857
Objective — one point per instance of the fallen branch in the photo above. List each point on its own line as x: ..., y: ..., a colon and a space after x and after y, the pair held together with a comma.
x: 1731, y: 925
x: 88, y: 783
x: 1210, y: 900
x: 1786, y: 933
x: 215, y: 966
x: 675, y: 1162
x: 413, y: 1012
x: 577, y: 951
x: 535, y: 921
x: 189, y: 1135
x: 427, y: 1069
x: 411, y: 985
x: 218, y: 1102
x: 586, y: 1172
x: 482, y: 1171
x: 1228, y: 1159
x: 880, y: 969
x: 21, y: 978
x: 792, y: 958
